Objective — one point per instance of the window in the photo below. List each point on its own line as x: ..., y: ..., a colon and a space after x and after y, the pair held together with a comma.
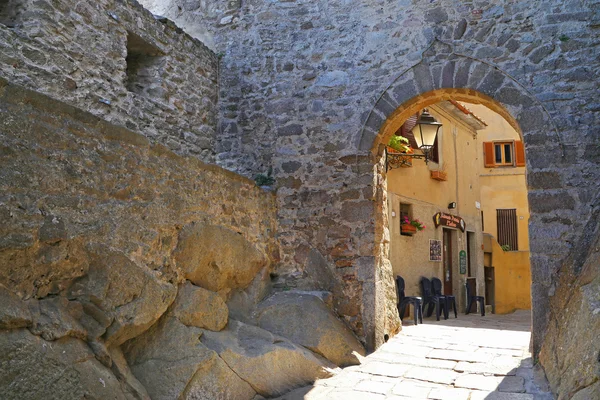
x: 144, y: 66
x: 405, y: 211
x: 507, y: 229
x: 504, y: 154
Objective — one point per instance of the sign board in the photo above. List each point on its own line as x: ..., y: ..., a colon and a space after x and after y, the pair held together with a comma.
x: 462, y: 257
x: 435, y: 250
x: 449, y: 221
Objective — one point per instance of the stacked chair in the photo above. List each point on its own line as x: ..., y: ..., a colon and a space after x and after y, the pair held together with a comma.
x: 450, y: 300
x: 405, y: 301
x: 432, y: 300
x: 471, y: 298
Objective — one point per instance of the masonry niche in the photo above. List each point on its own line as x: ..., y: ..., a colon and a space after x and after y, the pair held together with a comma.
x: 145, y: 66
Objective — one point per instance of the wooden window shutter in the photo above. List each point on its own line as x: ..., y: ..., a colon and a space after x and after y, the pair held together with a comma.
x: 488, y: 155
x: 519, y: 154
x: 435, y: 151
x: 406, y: 130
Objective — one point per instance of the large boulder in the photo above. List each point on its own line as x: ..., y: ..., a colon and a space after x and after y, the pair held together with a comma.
x: 305, y: 319
x: 121, y: 298
x: 34, y: 369
x: 571, y: 367
x: 216, y: 258
x: 195, y: 306
x: 271, y: 364
x: 242, y: 302
x: 172, y: 363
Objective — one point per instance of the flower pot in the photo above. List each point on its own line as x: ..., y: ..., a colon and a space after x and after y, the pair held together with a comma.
x: 408, y: 229
x: 439, y: 175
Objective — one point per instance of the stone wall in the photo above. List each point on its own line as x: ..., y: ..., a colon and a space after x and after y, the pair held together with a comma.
x: 302, y: 81
x: 117, y: 61
x: 99, y: 231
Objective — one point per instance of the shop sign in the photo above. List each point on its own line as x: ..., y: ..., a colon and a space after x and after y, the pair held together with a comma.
x: 449, y: 221
x: 462, y: 256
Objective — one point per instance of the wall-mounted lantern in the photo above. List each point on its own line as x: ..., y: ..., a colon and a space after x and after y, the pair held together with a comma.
x: 425, y: 133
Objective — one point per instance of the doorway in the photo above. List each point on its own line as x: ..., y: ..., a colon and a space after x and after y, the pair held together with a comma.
x: 447, y: 257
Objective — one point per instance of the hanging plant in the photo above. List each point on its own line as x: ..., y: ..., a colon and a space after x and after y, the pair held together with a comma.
x: 400, y: 144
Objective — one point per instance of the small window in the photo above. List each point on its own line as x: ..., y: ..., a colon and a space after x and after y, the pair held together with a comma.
x: 405, y: 212
x: 145, y: 64
x: 503, y: 153
x: 507, y: 229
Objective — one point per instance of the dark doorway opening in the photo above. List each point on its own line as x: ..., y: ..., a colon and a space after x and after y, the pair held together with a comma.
x: 447, y: 247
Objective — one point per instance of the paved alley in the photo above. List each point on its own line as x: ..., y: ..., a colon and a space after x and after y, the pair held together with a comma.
x: 468, y: 358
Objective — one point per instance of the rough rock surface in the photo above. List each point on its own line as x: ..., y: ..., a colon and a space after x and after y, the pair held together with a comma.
x: 65, y: 369
x: 271, y: 364
x: 121, y: 370
x: 306, y: 320
x: 195, y: 306
x: 130, y: 297
x: 242, y: 302
x: 217, y: 258
x: 91, y: 214
x: 572, y: 362
x: 14, y: 312
x: 171, y: 362
x: 56, y: 317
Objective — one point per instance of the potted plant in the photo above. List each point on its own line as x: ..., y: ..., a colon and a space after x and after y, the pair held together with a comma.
x: 410, y: 227
x: 400, y: 144
x: 398, y: 149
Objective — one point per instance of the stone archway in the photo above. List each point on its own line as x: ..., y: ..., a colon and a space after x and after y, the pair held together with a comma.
x: 442, y: 75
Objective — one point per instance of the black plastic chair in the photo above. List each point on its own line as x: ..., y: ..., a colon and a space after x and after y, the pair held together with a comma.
x: 471, y: 298
x: 405, y: 301
x: 436, y: 284
x: 430, y: 299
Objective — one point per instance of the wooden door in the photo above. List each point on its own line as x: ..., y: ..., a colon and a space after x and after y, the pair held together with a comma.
x: 447, y: 248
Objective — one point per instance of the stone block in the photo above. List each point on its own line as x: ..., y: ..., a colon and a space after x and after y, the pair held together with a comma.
x: 384, y: 369
x: 544, y: 180
x: 455, y: 355
x: 449, y: 394
x: 542, y: 202
x: 435, y: 375
x: 404, y: 90
x: 481, y: 395
x: 478, y: 382
x: 372, y: 386
x: 512, y: 384
x: 423, y: 78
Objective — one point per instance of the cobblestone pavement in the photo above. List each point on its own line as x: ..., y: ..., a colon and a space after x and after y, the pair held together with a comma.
x: 469, y: 358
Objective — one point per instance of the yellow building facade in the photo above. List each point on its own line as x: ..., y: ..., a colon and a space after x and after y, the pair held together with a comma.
x: 478, y: 177
x: 505, y: 210
x: 420, y: 192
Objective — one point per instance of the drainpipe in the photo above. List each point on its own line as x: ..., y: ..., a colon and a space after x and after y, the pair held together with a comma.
x: 454, y: 135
